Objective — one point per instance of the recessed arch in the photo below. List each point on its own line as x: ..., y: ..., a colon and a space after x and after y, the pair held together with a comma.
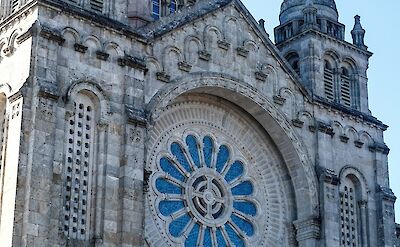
x: 258, y: 106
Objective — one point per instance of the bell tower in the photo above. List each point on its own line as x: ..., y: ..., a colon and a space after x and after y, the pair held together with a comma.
x: 313, y: 42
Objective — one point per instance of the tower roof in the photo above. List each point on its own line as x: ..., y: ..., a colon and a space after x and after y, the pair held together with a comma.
x: 293, y: 9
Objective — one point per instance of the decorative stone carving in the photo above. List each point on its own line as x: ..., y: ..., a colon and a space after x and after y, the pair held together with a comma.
x: 297, y: 123
x: 133, y: 62
x: 358, y: 143
x: 102, y: 55
x: 279, y: 100
x: 344, y: 138
x: 242, y: 51
x: 223, y: 45
x: 184, y: 66
x: 204, y: 55
x: 261, y: 76
x: 307, y: 229
x: 80, y: 48
x: 163, y: 76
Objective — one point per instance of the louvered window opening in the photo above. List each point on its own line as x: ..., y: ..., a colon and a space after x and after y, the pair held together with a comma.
x: 329, y: 84
x: 345, y: 90
x: 348, y: 218
x: 96, y: 5
x: 78, y: 165
x: 14, y: 5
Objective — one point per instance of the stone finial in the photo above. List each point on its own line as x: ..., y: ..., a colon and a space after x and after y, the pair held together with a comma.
x: 139, y: 12
x: 262, y: 23
x: 358, y: 33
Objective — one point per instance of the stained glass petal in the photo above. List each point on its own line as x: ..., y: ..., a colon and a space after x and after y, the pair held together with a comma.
x: 192, y: 144
x: 245, y: 207
x: 208, y: 149
x: 168, y: 167
x: 167, y: 187
x: 243, y: 189
x: 235, y: 239
x: 169, y: 207
x: 177, y: 226
x: 235, y: 171
x: 179, y: 154
x: 222, y: 158
x: 244, y: 225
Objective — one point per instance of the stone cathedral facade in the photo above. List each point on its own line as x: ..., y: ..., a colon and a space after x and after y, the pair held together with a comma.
x: 180, y: 123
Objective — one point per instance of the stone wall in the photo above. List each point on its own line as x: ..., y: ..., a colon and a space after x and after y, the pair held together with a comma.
x: 131, y: 77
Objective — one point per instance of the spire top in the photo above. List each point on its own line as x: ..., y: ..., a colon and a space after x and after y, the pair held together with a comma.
x: 358, y: 33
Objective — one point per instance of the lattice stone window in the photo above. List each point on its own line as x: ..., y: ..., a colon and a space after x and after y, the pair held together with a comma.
x: 78, y: 168
x: 349, y: 215
x: 204, y: 195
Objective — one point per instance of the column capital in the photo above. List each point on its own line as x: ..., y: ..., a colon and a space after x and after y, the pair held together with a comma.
x: 308, y: 228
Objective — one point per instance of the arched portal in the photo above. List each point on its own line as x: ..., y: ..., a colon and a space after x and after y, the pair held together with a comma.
x: 200, y: 194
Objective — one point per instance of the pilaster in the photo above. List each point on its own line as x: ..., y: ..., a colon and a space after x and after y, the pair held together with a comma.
x: 385, y: 214
x: 329, y: 205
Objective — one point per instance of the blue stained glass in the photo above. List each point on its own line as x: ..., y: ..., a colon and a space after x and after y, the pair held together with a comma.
x: 191, y: 142
x: 208, y: 150
x: 243, y: 189
x: 222, y: 158
x: 220, y: 238
x: 235, y: 171
x: 177, y: 151
x: 235, y: 239
x: 207, y: 242
x: 167, y: 187
x: 169, y: 207
x: 177, y: 226
x: 244, y: 225
x: 168, y: 167
x: 172, y: 6
x: 245, y: 207
x: 193, y: 235
x: 156, y: 9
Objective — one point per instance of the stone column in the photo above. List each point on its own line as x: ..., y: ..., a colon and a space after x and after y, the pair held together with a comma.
x: 329, y: 198
x: 308, y: 232
x: 364, y: 222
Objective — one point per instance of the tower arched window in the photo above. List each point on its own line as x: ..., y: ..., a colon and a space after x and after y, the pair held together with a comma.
x: 172, y: 6
x: 156, y: 9
x: 350, y: 215
x: 329, y: 85
x: 162, y: 8
x: 294, y: 61
x: 79, y: 160
x: 345, y: 88
x: 97, y: 5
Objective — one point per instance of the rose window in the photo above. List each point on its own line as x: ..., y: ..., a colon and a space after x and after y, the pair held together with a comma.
x: 204, y: 194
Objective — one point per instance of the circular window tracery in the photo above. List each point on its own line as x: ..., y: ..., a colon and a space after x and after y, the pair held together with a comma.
x: 204, y: 194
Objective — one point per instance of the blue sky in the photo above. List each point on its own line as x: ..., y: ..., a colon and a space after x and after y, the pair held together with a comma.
x: 380, y: 20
